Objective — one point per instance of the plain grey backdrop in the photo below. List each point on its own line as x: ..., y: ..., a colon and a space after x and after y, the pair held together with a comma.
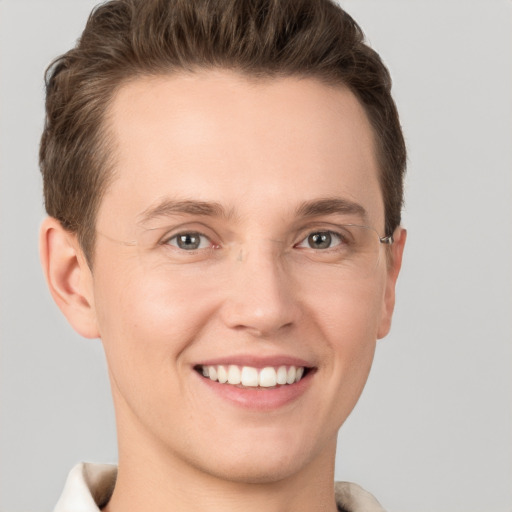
x: 433, y: 430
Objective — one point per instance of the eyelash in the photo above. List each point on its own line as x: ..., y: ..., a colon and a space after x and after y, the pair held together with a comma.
x: 329, y: 233
x: 190, y: 234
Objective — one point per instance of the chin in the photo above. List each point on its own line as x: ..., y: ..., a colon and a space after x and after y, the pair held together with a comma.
x: 256, y: 471
x: 257, y: 462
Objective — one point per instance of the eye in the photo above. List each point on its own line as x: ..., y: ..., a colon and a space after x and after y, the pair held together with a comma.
x: 321, y: 240
x: 190, y: 241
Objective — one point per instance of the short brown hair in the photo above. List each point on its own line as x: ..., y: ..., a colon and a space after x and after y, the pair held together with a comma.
x: 124, y: 39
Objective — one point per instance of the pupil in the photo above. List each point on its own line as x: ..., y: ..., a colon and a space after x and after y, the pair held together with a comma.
x: 320, y: 240
x: 188, y: 241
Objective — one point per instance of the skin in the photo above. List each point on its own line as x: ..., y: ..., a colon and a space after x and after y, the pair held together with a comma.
x: 259, y: 149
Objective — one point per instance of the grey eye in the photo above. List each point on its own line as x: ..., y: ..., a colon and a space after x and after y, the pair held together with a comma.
x: 321, y: 240
x: 189, y: 241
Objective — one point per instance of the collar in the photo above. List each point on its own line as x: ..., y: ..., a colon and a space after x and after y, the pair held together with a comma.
x: 89, y: 487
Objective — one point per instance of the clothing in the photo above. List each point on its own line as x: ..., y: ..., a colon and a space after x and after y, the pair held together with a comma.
x: 89, y: 487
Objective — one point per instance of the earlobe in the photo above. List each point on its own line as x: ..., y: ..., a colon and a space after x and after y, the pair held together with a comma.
x: 397, y: 251
x: 68, y: 276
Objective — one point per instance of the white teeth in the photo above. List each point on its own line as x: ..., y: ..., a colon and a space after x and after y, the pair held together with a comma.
x: 249, y: 376
x: 281, y: 375
x: 234, y: 374
x: 222, y: 375
x: 290, y: 376
x: 268, y: 377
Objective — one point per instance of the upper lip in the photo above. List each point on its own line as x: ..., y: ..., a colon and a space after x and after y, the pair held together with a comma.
x: 256, y: 361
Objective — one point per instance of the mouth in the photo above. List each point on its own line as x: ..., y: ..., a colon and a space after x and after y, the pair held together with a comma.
x: 251, y: 377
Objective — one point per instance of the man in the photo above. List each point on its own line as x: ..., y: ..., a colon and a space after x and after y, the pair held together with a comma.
x: 224, y: 183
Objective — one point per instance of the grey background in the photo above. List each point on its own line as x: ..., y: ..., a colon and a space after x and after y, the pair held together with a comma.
x: 433, y: 430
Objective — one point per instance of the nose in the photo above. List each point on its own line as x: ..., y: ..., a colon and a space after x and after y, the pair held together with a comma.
x: 261, y: 296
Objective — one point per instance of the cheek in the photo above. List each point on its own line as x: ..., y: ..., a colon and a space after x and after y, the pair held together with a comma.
x: 353, y: 338
x: 348, y: 312
x: 146, y: 320
x: 349, y: 318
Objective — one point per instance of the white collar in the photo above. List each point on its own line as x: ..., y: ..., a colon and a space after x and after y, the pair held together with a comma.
x: 89, y: 487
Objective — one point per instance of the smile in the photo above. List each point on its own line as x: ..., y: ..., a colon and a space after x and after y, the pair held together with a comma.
x: 251, y: 377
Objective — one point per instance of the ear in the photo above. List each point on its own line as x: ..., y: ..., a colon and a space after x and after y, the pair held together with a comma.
x: 394, y: 265
x: 68, y: 276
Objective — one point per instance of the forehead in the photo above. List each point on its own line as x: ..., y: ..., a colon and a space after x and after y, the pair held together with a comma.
x: 218, y: 136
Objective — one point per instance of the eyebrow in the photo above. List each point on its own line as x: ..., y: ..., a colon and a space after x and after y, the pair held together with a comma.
x: 314, y: 208
x: 329, y: 206
x: 168, y: 207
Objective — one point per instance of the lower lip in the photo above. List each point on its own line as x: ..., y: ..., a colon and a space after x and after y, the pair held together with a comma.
x: 262, y: 399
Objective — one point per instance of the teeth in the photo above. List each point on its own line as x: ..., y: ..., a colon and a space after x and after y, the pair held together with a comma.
x: 248, y: 376
x: 222, y: 375
x: 281, y: 375
x: 268, y: 377
x: 234, y: 374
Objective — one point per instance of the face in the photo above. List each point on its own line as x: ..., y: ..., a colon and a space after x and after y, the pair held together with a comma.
x: 221, y: 251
